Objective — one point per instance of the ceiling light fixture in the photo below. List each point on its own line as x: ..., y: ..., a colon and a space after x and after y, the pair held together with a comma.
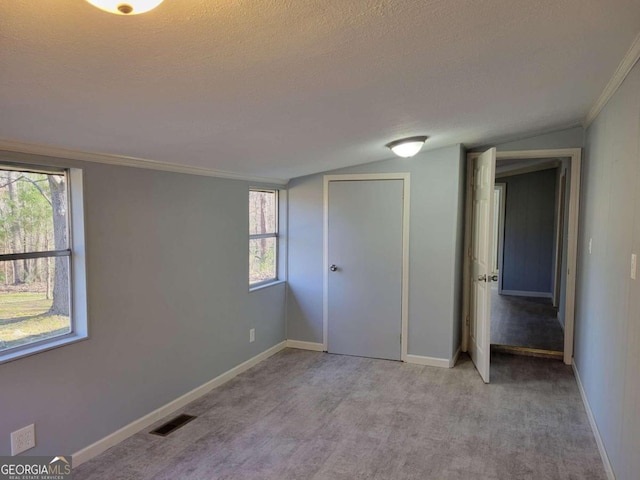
x: 125, y: 7
x: 407, y: 147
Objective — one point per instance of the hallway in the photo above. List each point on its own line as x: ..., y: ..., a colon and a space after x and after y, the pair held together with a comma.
x: 525, y: 322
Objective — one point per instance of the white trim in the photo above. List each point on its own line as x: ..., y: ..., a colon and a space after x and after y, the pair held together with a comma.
x: 404, y: 343
x: 125, y: 161
x: 561, y: 202
x: 313, y: 346
x: 134, y: 427
x: 466, y: 271
x: 454, y: 360
x: 594, y: 426
x: 325, y: 266
x: 502, y: 211
x: 522, y: 293
x: 572, y: 254
x: 45, y: 345
x: 627, y: 63
x: 428, y: 361
x: 405, y: 177
x: 531, y: 154
x: 262, y: 286
x: 575, y: 155
x: 286, y: 266
x: 77, y: 275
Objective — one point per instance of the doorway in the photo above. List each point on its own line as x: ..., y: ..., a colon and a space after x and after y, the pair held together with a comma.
x: 366, y: 265
x: 478, y: 320
x: 529, y: 237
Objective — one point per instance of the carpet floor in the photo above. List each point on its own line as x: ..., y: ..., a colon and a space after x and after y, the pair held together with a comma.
x: 308, y: 415
x: 525, y: 322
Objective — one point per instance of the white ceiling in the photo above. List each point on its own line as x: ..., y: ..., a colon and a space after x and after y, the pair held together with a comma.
x: 283, y: 88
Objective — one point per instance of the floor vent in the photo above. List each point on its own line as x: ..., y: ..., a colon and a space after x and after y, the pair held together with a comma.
x: 172, y: 425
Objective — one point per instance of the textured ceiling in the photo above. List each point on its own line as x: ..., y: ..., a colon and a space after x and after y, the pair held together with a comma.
x: 282, y: 88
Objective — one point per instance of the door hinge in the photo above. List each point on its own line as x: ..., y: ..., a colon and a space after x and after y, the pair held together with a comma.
x: 466, y: 320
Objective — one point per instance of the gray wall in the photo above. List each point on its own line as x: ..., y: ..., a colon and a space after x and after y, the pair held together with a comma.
x: 437, y: 206
x: 607, y: 344
x: 169, y: 307
x: 529, y: 232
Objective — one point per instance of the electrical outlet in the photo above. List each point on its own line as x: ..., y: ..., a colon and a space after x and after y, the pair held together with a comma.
x: 252, y: 335
x: 23, y: 439
x: 634, y: 265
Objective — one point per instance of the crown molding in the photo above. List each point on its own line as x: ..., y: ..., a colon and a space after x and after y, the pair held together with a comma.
x: 627, y: 63
x: 125, y: 161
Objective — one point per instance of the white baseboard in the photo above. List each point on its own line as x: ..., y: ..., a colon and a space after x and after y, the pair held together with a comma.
x: 134, y: 427
x: 416, y: 359
x: 316, y: 347
x: 594, y: 426
x: 521, y: 293
x: 429, y: 361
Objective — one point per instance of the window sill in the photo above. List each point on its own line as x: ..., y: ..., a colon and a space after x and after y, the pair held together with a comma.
x: 34, y: 349
x: 265, y: 285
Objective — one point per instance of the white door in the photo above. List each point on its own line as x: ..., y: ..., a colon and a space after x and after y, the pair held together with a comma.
x: 364, y: 253
x: 484, y: 170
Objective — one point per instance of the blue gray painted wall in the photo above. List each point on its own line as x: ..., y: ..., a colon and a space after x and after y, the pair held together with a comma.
x: 169, y: 307
x: 435, y: 249
x: 607, y: 343
x: 529, y: 232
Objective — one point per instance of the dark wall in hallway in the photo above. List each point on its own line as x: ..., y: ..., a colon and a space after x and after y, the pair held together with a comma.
x: 529, y: 232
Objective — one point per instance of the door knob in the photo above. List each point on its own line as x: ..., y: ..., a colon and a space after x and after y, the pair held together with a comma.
x: 493, y: 278
x: 482, y: 278
x: 333, y: 268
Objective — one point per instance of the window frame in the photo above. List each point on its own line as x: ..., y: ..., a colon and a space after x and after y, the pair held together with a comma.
x: 275, y: 234
x: 78, y: 325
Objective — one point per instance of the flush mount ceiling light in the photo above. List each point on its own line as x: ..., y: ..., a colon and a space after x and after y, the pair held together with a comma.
x: 125, y: 7
x: 407, y: 147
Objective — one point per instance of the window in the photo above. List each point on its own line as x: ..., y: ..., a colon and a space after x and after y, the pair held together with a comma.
x: 36, y: 261
x: 263, y: 236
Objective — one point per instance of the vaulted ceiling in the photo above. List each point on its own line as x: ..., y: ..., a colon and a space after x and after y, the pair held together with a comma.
x: 283, y: 88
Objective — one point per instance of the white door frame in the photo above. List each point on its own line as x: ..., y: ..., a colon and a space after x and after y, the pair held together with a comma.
x: 501, y: 215
x: 405, y: 177
x: 575, y: 155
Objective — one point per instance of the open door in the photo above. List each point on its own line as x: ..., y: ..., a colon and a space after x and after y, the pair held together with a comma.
x: 484, y: 170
